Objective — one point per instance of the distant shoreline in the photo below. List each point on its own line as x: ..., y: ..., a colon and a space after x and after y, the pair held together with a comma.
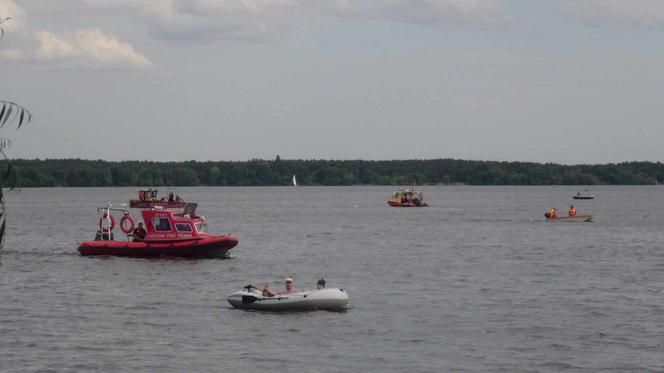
x: 279, y: 172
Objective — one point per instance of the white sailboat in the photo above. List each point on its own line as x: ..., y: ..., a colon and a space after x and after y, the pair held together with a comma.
x: 294, y: 181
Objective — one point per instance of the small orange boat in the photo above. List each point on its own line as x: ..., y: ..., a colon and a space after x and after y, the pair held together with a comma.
x: 407, y: 198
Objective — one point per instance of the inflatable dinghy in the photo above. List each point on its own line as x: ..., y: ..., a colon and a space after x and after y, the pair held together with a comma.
x: 331, y: 299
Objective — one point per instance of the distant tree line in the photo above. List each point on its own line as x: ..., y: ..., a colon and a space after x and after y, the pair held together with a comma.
x: 257, y: 172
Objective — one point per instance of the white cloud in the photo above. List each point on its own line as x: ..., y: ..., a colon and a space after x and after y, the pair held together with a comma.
x: 631, y: 12
x: 230, y: 19
x: 8, y: 9
x: 97, y: 46
x: 51, y: 47
x: 90, y: 45
x: 87, y: 45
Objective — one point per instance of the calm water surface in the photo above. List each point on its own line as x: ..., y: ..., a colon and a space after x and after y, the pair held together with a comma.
x: 476, y: 282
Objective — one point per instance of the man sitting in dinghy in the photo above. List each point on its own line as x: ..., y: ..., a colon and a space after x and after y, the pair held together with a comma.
x: 288, y: 284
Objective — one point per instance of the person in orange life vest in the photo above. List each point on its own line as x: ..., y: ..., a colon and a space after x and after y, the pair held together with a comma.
x: 553, y: 213
x: 571, y: 211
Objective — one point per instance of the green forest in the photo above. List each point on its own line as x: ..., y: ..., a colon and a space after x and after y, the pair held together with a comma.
x: 96, y: 173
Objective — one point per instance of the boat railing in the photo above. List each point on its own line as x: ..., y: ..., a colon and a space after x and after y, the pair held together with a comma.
x: 106, y: 215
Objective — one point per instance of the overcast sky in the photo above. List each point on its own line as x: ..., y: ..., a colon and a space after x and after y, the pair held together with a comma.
x: 578, y: 81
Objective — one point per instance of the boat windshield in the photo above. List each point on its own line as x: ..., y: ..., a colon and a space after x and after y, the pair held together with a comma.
x: 201, y: 227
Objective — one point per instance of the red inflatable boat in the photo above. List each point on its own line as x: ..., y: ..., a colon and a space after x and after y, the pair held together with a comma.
x: 167, y: 233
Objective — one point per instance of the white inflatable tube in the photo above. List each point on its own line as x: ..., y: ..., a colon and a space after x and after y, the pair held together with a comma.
x: 331, y: 299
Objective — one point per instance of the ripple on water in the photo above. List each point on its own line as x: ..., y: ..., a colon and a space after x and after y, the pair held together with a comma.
x: 470, y: 284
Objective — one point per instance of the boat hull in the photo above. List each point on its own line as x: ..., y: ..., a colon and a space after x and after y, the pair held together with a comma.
x: 331, y: 299
x: 583, y: 197
x: 209, y: 247
x: 398, y: 203
x: 138, y: 204
x: 571, y: 219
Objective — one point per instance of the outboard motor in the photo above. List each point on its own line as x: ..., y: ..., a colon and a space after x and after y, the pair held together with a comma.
x: 98, y: 236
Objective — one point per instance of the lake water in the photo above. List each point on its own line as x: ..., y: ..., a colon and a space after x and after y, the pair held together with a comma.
x: 476, y: 282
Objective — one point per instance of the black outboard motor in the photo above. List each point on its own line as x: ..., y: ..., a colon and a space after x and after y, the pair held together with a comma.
x: 546, y: 214
x: 98, y: 236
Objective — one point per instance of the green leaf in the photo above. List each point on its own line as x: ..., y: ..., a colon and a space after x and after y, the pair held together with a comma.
x: 4, y: 143
x: 9, y: 113
x: 2, y: 233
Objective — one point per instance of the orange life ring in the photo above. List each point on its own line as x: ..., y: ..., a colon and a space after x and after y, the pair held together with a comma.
x: 101, y: 222
x: 123, y: 224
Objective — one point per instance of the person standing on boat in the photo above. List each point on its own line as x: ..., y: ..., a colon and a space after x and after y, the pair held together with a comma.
x: 139, y: 232
x: 571, y: 211
x: 288, y: 284
x: 171, y: 197
x: 320, y: 284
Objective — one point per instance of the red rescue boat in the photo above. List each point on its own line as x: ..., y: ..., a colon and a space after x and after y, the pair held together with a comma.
x: 147, y: 198
x: 407, y: 198
x: 167, y: 233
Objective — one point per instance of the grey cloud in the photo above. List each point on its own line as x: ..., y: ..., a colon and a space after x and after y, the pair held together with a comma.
x: 620, y: 12
x: 468, y: 13
x: 264, y: 19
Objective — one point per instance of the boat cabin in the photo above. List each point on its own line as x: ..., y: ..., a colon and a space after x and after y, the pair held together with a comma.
x: 147, y: 194
x: 147, y: 198
x: 170, y: 225
x: 408, y: 196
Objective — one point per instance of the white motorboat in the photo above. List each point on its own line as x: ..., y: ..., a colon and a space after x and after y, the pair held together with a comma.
x: 330, y: 299
x: 583, y: 195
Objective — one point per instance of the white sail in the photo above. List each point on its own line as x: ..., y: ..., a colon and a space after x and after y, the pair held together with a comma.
x: 294, y: 181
